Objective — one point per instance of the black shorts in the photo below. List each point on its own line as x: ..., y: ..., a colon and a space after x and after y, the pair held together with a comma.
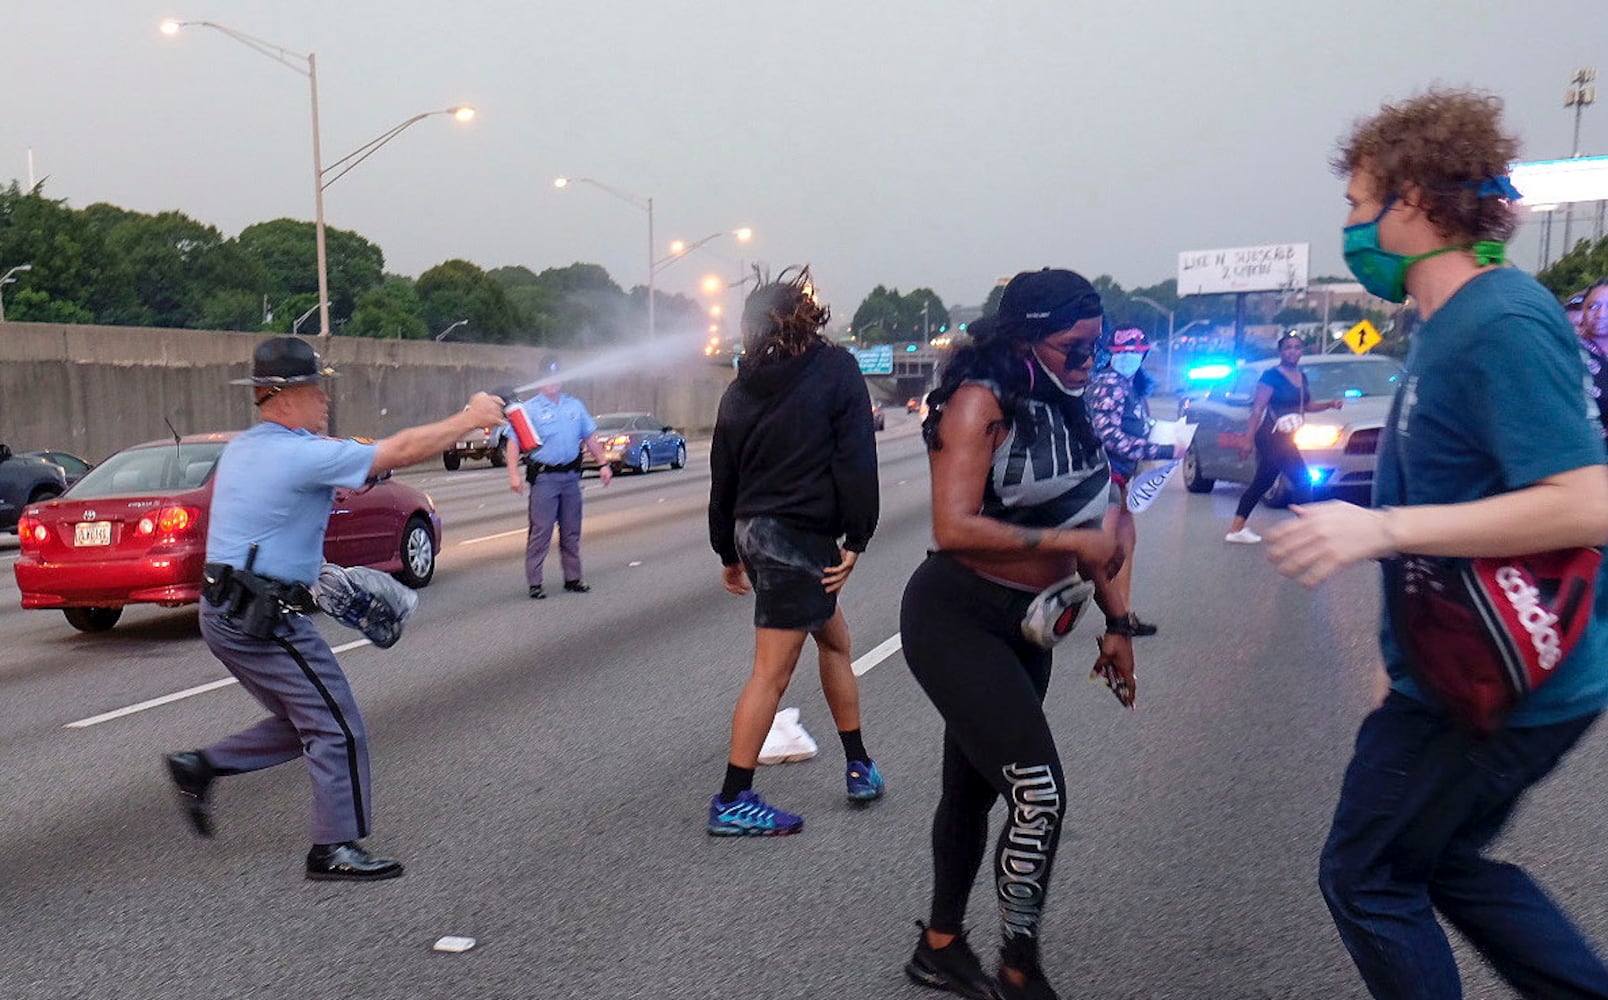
x: 786, y: 565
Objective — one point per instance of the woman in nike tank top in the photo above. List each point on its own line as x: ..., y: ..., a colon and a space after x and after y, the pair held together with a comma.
x: 1020, y: 485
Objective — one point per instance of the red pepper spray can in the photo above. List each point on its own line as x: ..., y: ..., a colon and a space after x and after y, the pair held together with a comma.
x: 524, y: 430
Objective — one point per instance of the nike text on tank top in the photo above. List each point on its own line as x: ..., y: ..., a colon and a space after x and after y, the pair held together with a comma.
x: 1058, y: 479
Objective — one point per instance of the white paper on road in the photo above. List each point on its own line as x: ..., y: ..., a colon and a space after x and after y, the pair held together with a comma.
x: 451, y: 943
x: 1177, y: 433
x: 1144, y: 488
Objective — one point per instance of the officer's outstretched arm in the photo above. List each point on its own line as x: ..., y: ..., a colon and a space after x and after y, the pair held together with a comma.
x: 407, y: 447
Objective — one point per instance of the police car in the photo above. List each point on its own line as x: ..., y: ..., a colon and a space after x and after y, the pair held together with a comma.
x: 134, y: 531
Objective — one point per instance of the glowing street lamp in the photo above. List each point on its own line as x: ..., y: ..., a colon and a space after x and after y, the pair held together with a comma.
x: 307, y: 65
x: 712, y: 284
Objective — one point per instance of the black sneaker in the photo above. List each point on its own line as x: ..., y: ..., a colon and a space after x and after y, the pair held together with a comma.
x: 192, y: 776
x: 953, y: 968
x: 576, y: 587
x: 1141, y: 628
x: 1034, y: 987
x: 537, y: 594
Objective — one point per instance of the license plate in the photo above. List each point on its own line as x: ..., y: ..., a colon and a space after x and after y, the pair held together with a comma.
x: 93, y: 533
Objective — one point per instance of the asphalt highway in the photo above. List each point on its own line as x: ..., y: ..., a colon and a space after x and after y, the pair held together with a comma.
x: 544, y: 770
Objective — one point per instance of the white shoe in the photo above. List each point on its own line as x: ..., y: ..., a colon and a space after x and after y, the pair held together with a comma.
x: 1244, y: 536
x: 787, y: 742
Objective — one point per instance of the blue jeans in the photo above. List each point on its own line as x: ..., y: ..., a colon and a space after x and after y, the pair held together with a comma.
x: 1420, y: 802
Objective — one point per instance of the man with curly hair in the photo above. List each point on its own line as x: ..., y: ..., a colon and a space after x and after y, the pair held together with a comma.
x: 1490, y: 450
x: 792, y: 503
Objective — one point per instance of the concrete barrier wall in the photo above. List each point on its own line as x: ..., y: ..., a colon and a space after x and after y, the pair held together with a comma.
x: 92, y: 390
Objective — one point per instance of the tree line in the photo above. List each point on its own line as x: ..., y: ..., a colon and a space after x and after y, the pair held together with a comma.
x: 108, y: 265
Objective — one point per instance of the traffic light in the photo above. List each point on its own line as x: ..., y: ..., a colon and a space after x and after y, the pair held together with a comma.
x: 963, y: 328
x: 943, y: 328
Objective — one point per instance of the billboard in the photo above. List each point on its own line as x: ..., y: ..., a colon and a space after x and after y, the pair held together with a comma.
x: 1274, y: 268
x: 1546, y: 184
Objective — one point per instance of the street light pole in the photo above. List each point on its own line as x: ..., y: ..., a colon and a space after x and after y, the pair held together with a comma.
x: 1172, y: 379
x: 1580, y: 95
x: 6, y: 279
x: 443, y: 334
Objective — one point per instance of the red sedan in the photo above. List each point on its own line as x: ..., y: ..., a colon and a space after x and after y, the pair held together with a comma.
x: 134, y: 531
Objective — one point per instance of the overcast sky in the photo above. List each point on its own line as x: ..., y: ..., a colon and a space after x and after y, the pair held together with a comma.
x: 935, y: 143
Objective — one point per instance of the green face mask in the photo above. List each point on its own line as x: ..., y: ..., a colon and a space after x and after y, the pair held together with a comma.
x: 1383, y: 272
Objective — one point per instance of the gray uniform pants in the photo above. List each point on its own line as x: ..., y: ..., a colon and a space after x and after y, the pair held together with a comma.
x: 312, y: 714
x: 555, y: 498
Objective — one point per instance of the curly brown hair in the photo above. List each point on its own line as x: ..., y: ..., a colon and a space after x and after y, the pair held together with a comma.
x: 1445, y: 144
x: 782, y: 319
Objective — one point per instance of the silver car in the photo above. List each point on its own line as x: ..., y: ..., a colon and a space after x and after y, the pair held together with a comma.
x: 1339, y: 445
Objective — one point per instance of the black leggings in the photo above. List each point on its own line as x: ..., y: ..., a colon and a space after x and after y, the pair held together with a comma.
x: 1275, y: 453
x: 963, y: 642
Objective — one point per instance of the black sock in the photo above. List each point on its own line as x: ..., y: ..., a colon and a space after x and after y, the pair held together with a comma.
x: 738, y: 780
x: 853, y: 746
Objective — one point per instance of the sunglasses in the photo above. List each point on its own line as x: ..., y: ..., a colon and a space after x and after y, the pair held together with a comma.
x: 1077, y: 354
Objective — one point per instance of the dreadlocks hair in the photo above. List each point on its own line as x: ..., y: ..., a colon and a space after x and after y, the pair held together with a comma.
x: 782, y: 319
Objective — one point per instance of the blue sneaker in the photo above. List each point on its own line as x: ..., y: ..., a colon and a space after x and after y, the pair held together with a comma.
x: 749, y: 816
x: 864, y: 781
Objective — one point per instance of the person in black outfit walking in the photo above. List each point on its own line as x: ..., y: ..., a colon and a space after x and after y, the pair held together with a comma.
x: 1280, y: 407
x: 792, y: 504
x: 1021, y: 486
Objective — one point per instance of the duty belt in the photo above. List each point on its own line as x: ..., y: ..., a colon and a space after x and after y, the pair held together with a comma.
x: 234, y: 589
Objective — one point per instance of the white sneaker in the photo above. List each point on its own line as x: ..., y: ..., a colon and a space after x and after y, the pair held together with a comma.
x: 1244, y: 536
x: 787, y: 742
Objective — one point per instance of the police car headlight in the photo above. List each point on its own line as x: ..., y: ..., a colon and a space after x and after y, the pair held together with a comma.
x: 1315, y: 437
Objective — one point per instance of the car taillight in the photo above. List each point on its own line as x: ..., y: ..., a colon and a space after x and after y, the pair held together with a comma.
x: 32, y: 532
x: 169, y: 522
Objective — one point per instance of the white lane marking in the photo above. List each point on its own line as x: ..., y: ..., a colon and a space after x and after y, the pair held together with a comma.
x: 96, y: 720
x: 492, y: 538
x: 888, y: 647
x: 166, y: 699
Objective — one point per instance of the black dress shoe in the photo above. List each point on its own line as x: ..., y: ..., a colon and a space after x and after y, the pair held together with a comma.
x: 537, y: 594
x: 1140, y: 627
x: 192, y: 776
x: 576, y: 587
x: 348, y: 862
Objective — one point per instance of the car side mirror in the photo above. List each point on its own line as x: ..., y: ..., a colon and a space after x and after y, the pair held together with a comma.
x: 667, y: 429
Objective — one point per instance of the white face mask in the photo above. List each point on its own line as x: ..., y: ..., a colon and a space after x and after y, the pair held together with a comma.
x: 1054, y: 380
x: 1126, y: 363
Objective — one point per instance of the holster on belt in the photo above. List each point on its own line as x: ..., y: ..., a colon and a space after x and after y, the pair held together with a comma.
x: 256, y: 604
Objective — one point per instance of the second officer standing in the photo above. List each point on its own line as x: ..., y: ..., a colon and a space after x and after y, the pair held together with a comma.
x: 553, y: 470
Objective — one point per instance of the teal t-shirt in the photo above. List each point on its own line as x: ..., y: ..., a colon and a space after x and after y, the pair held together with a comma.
x: 1495, y: 399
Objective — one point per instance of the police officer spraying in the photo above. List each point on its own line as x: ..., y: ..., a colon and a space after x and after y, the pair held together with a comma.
x: 271, y: 499
x: 563, y: 427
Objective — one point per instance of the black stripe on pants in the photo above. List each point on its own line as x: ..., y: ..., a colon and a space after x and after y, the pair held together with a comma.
x: 1275, y: 453
x: 346, y: 731
x: 963, y: 642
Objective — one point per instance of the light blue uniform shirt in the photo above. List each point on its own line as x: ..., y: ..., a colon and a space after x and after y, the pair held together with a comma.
x: 273, y: 488
x: 562, y: 427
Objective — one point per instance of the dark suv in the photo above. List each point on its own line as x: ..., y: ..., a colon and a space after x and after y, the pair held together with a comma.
x: 25, y: 480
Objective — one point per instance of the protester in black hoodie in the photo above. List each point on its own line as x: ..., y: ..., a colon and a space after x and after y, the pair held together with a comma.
x: 792, y: 504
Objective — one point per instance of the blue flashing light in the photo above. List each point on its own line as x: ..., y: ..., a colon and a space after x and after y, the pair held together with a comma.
x: 1210, y: 372
x: 1353, y: 393
x: 1319, y: 476
x: 911, y: 348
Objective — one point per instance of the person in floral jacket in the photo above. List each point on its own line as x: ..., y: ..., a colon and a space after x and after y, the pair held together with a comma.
x: 1117, y: 400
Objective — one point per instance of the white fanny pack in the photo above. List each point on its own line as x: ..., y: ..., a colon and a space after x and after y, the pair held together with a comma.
x: 1056, y: 610
x: 1289, y: 423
